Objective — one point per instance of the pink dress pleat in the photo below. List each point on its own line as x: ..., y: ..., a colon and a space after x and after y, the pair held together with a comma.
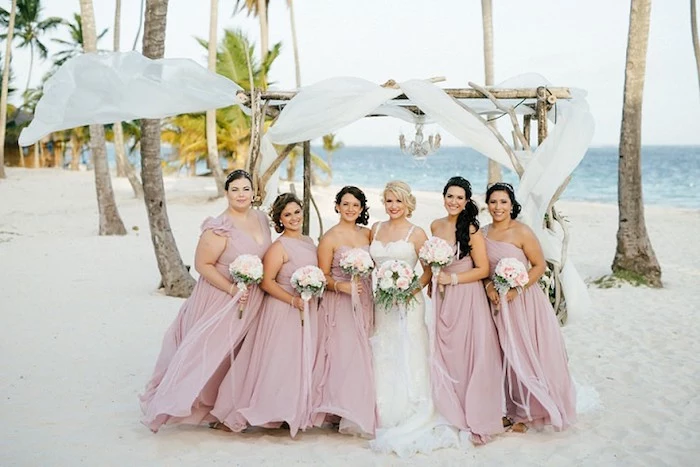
x: 198, y: 346
x: 270, y: 385
x: 343, y: 384
x: 538, y: 386
x: 471, y: 396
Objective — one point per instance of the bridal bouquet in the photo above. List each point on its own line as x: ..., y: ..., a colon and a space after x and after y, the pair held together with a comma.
x: 357, y: 263
x: 510, y: 273
x: 309, y: 281
x: 396, y: 282
x: 437, y: 254
x: 246, y: 270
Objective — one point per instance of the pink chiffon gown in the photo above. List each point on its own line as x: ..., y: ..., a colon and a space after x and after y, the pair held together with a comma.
x: 273, y: 367
x: 198, y: 346
x: 467, y: 349
x: 343, y: 383
x: 539, y: 388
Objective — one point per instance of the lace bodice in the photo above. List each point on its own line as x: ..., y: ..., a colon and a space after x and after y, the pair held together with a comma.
x: 400, y: 249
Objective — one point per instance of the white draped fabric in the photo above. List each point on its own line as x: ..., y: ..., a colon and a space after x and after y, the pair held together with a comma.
x: 109, y: 87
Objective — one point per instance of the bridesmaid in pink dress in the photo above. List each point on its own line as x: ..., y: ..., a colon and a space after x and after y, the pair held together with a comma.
x: 197, y: 348
x: 343, y: 377
x: 539, y: 389
x: 274, y: 365
x: 466, y: 371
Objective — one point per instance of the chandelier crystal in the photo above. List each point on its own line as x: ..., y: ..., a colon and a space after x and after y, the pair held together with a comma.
x: 419, y: 148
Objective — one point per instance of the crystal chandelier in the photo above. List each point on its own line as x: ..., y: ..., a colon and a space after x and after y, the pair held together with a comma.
x: 418, y: 148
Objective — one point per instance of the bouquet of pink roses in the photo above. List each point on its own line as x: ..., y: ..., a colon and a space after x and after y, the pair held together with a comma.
x: 396, y: 283
x: 309, y: 281
x: 437, y: 254
x: 356, y: 262
x: 510, y: 273
x: 246, y: 270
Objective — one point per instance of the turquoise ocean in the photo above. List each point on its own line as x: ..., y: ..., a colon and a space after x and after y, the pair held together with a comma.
x: 670, y: 174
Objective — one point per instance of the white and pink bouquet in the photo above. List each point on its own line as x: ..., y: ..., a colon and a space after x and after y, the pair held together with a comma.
x: 396, y: 283
x: 357, y: 263
x: 510, y: 273
x: 246, y: 270
x: 437, y: 254
x: 309, y: 281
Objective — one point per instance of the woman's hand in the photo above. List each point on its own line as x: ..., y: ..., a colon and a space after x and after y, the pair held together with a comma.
x: 512, y: 293
x: 492, y: 294
x: 298, y: 303
x: 444, y: 278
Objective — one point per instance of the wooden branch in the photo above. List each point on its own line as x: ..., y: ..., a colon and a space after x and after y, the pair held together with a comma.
x: 265, y: 178
x: 509, y: 110
x: 459, y: 93
x: 541, y: 111
x: 511, y: 154
x: 320, y: 220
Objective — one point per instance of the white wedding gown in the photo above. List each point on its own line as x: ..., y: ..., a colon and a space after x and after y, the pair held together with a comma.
x: 408, y: 422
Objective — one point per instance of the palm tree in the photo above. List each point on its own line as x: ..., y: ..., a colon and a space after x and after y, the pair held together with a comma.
x: 212, y: 149
x: 6, y: 85
x: 110, y: 221
x: 176, y: 279
x: 258, y: 8
x: 494, y: 169
x: 634, y: 255
x: 295, y: 45
x: 694, y: 31
x: 330, y: 145
x: 29, y: 28
x: 124, y: 167
x: 74, y: 45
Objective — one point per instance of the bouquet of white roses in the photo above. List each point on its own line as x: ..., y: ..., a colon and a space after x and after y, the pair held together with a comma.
x: 437, y: 254
x: 396, y: 283
x: 246, y: 270
x: 309, y: 281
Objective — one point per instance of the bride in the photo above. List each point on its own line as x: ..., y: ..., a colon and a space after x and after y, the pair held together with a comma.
x: 407, y: 420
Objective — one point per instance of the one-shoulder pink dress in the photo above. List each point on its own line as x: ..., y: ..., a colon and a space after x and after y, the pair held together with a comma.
x: 274, y: 366
x: 343, y: 375
x: 470, y: 394
x: 198, y: 346
x: 539, y: 388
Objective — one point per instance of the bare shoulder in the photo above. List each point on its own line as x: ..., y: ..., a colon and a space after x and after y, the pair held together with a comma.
x: 523, y: 231
x: 418, y: 233
x: 474, y: 231
x: 365, y: 232
x: 437, y: 224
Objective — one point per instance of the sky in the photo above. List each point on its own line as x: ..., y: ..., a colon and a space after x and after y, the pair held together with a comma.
x: 578, y: 44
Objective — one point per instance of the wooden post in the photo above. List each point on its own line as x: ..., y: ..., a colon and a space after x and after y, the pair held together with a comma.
x: 541, y: 111
x: 307, y: 186
x: 527, y: 120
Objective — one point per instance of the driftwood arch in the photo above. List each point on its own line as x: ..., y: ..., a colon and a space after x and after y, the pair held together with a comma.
x: 539, y: 99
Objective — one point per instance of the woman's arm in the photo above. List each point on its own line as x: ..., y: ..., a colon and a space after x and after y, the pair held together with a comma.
x: 326, y: 248
x: 418, y: 237
x: 479, y: 258
x: 533, y: 253
x: 274, y: 259
x: 209, y: 248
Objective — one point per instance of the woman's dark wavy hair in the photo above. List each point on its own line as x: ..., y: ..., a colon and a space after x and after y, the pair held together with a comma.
x: 235, y: 175
x: 363, y: 218
x: 278, y: 206
x: 508, y: 188
x: 468, y: 217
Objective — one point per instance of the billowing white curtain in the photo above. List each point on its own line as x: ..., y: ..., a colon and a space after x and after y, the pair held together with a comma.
x: 109, y: 87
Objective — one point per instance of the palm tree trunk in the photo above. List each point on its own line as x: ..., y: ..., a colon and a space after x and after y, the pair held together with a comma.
x: 694, y: 29
x: 75, y: 148
x: 29, y: 72
x: 5, y: 86
x: 110, y: 221
x: 176, y: 279
x: 124, y: 167
x: 212, y: 146
x: 634, y: 251
x: 494, y: 168
x: 295, y: 43
x: 35, y: 162
x: 264, y: 32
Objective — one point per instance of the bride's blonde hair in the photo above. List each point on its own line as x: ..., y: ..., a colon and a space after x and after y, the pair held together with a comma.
x: 403, y: 193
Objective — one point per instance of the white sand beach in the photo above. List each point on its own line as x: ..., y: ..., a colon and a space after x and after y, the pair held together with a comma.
x: 82, y: 323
